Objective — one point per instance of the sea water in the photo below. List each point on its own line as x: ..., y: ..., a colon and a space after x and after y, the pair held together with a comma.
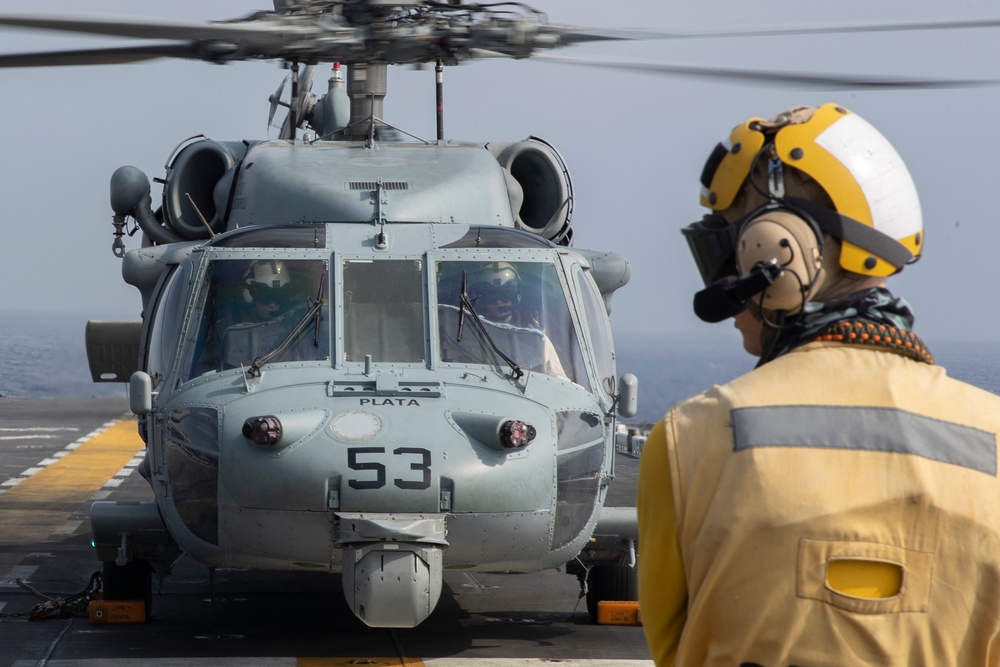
x: 42, y: 355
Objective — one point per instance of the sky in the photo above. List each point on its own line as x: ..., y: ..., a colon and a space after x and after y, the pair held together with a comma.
x: 635, y: 143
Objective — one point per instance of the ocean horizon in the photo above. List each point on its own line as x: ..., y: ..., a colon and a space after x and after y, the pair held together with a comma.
x: 42, y: 355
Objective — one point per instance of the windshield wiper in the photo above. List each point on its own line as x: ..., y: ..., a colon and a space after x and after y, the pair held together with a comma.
x: 315, y: 311
x: 515, y: 369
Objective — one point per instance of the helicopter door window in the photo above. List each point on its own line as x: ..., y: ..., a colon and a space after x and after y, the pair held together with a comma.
x: 600, y: 331
x: 257, y: 311
x: 384, y: 310
x: 164, y: 331
x: 523, y: 308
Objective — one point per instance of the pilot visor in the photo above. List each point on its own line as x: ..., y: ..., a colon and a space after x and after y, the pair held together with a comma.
x: 490, y: 292
x: 262, y: 293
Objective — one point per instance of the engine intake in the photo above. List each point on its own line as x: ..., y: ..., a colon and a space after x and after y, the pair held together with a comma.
x: 197, y: 171
x: 542, y: 191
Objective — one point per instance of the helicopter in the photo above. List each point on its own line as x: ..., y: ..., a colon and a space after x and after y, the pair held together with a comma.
x: 384, y: 426
x: 361, y: 351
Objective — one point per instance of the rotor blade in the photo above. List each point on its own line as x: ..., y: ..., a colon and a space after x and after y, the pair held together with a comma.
x: 820, y: 81
x: 575, y: 34
x: 114, y: 56
x: 140, y: 28
x: 846, y: 28
x: 486, y: 53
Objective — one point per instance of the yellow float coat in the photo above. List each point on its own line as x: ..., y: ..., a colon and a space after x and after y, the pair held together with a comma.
x: 837, y: 506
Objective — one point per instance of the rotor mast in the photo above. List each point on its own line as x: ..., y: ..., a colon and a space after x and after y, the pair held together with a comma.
x: 367, y: 87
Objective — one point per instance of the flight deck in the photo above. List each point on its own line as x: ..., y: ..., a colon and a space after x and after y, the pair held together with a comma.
x: 59, y: 456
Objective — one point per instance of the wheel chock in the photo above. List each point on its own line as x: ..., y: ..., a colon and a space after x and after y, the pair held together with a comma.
x: 624, y: 612
x: 106, y: 612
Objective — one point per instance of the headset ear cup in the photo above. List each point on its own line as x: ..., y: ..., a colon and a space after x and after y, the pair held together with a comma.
x: 793, y: 242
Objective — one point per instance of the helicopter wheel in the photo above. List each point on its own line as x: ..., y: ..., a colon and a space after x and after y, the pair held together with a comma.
x: 132, y: 581
x: 610, y: 582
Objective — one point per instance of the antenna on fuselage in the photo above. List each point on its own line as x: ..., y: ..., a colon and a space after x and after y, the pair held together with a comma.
x: 439, y: 90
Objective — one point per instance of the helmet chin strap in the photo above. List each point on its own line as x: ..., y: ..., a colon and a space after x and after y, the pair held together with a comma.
x: 771, y: 328
x: 775, y: 323
x: 770, y: 334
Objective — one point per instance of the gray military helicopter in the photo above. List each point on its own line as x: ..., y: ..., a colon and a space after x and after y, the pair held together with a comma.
x: 361, y: 351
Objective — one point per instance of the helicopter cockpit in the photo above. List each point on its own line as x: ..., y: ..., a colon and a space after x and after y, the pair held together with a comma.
x: 520, y: 312
x: 251, y: 308
x: 261, y: 310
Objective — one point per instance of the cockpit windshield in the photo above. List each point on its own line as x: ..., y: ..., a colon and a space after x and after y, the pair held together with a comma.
x: 523, y: 311
x: 384, y: 310
x: 250, y: 312
x: 257, y: 310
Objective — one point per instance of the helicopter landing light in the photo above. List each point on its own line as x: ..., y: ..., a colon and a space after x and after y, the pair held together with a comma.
x: 355, y: 425
x: 515, y: 434
x: 263, y: 431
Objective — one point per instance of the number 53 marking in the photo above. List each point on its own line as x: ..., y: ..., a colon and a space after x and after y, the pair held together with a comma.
x: 423, y: 467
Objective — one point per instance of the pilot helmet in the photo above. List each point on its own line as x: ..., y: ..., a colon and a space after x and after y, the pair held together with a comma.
x: 853, y: 182
x: 496, y: 281
x: 267, y: 281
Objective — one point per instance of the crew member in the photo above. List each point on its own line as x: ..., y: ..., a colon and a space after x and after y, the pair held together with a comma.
x: 267, y: 290
x: 496, y: 293
x: 839, y: 504
x: 495, y: 290
x: 268, y: 314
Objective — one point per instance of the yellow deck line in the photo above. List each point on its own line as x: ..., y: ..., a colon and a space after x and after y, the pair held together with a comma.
x: 32, y: 510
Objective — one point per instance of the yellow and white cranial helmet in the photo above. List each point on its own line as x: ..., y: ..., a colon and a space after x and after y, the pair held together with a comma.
x: 857, y: 168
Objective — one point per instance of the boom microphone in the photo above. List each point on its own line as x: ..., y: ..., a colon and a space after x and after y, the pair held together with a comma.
x: 728, y: 297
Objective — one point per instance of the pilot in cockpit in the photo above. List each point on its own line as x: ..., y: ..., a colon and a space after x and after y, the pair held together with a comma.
x: 498, y: 296
x: 265, y: 309
x: 270, y: 312
x: 495, y: 291
x: 267, y: 290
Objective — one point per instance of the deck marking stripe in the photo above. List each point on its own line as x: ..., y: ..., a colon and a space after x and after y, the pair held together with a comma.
x: 36, y: 507
x: 60, y: 454
x: 20, y: 572
x: 74, y: 478
x: 69, y: 527
x: 33, y: 429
